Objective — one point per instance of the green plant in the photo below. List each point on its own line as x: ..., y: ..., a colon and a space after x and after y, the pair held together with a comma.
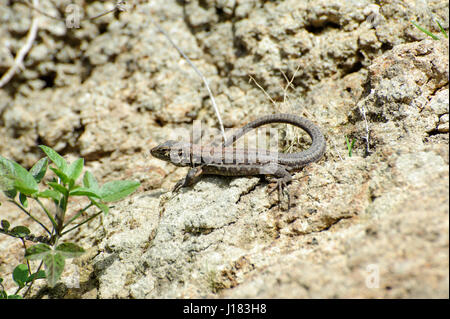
x: 20, y: 186
x: 434, y: 37
x: 350, y: 146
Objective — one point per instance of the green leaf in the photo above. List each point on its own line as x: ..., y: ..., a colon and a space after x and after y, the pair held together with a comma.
x: 442, y: 29
x: 82, y: 191
x: 38, y: 251
x: 20, y: 275
x: 6, y: 174
x: 350, y: 146
x: 15, y: 297
x: 39, y: 169
x: 25, y: 188
x: 69, y: 250
x: 37, y: 275
x: 5, y: 225
x: 90, y: 182
x: 3, y: 294
x: 63, y: 176
x: 425, y: 31
x: 25, y: 180
x: 54, y: 266
x: 10, y: 193
x: 75, y: 187
x: 104, y: 208
x: 20, y: 231
x: 75, y: 169
x: 49, y: 193
x: 59, y: 188
x: 23, y: 200
x: 116, y: 190
x: 14, y: 176
x: 59, y: 161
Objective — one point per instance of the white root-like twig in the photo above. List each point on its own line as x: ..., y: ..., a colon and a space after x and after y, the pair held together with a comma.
x: 34, y: 6
x: 31, y: 6
x: 119, y: 6
x: 363, y: 112
x: 205, y: 81
x: 18, y: 60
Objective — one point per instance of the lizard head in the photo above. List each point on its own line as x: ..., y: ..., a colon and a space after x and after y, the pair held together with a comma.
x: 172, y: 151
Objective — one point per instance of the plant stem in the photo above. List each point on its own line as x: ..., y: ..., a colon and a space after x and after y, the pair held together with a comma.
x: 31, y: 216
x: 32, y: 281
x: 77, y: 215
x: 78, y: 225
x: 47, y: 212
x: 28, y: 262
x: 18, y: 289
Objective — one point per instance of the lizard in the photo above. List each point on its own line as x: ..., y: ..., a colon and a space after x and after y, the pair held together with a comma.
x: 231, y: 161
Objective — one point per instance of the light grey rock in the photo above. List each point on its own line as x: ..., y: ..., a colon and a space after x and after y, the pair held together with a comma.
x: 115, y: 88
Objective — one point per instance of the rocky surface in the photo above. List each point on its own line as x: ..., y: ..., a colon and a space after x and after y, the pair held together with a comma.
x: 373, y: 225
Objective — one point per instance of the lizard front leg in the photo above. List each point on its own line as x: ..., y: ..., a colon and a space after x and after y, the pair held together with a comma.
x: 190, y: 178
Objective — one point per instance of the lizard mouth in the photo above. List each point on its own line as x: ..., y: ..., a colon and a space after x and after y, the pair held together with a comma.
x: 159, y: 152
x: 164, y: 150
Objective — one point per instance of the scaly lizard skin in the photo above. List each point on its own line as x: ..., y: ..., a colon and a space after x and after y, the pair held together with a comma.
x: 232, y: 161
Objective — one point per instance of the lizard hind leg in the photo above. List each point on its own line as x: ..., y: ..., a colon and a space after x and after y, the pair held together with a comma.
x: 283, y: 178
x: 281, y: 187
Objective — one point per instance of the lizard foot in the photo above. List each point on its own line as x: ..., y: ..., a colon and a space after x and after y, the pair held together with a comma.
x: 281, y: 185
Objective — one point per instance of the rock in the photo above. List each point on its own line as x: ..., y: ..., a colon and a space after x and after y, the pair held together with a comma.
x: 373, y: 225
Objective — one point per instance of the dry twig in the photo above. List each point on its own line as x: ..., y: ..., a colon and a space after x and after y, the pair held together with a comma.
x: 18, y: 60
x: 205, y: 81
